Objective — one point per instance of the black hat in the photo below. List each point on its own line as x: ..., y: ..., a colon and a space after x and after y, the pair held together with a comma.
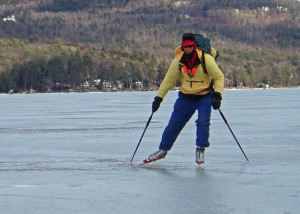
x: 188, y: 36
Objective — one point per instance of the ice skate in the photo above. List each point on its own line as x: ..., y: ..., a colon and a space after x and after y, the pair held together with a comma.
x: 156, y: 156
x: 200, y: 155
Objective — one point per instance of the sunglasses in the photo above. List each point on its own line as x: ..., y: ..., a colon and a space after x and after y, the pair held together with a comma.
x: 188, y: 46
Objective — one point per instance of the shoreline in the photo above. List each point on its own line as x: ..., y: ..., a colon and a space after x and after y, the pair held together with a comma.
x: 123, y: 91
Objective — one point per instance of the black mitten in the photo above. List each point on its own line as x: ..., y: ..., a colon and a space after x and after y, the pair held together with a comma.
x: 216, y: 100
x: 156, y: 103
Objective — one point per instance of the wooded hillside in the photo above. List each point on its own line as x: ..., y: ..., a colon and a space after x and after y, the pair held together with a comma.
x: 58, y: 45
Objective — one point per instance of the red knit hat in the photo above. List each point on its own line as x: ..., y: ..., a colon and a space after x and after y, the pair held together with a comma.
x: 187, y: 42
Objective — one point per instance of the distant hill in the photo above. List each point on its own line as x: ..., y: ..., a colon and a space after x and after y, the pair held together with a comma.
x: 253, y: 22
x: 246, y: 33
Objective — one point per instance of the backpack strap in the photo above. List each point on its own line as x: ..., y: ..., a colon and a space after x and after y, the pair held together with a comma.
x: 211, y: 85
x: 203, y: 62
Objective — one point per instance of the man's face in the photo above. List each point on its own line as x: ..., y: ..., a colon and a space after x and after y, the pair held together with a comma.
x: 188, y: 49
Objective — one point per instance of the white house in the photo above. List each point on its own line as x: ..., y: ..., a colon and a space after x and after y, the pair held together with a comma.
x: 10, y: 18
x: 266, y: 8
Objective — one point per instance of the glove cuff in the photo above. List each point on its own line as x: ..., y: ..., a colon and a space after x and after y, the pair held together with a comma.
x: 158, y: 99
x: 218, y: 95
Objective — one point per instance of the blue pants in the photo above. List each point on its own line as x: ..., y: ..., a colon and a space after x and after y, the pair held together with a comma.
x: 184, y: 109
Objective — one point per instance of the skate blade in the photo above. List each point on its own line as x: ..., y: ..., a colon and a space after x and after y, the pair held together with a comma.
x: 146, y: 161
x: 149, y: 161
x: 199, y: 163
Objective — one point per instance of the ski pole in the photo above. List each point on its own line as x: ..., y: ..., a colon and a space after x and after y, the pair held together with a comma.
x: 232, y: 133
x: 142, y: 136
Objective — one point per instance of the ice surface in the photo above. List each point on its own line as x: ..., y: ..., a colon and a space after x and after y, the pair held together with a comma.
x: 70, y: 153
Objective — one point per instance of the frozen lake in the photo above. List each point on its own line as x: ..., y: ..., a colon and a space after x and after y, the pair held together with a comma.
x: 70, y: 153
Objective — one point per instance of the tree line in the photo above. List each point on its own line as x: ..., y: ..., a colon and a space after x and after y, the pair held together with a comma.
x: 61, y: 67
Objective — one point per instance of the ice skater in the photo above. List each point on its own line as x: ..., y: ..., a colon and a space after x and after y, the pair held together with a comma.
x: 202, y: 84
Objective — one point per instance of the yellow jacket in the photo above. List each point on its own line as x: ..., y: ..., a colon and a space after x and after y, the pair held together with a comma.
x: 198, y: 84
